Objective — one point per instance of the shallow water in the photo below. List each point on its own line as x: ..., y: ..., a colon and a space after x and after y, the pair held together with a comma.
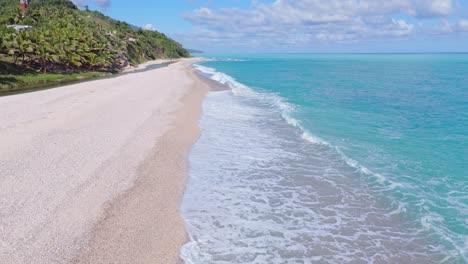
x: 329, y: 159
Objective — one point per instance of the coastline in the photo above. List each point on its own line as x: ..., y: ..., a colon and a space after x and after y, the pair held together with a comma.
x: 214, y: 85
x: 152, y: 231
x: 109, y: 186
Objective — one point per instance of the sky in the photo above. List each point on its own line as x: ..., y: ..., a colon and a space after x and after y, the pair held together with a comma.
x: 300, y: 26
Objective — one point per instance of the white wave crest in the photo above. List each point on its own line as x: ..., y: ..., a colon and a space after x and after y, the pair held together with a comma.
x: 287, y: 111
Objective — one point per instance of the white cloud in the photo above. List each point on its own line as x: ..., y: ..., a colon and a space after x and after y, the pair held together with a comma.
x: 103, y: 4
x: 149, y: 27
x: 302, y: 22
x: 309, y: 11
x: 462, y: 25
x: 414, y: 8
x: 305, y: 22
x: 445, y: 27
x: 436, y: 7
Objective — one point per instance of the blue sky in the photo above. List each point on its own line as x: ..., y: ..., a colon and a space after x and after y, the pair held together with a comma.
x: 241, y: 26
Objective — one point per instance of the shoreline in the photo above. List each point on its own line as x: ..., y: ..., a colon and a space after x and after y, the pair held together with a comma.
x: 108, y: 188
x: 142, y: 241
x: 214, y: 85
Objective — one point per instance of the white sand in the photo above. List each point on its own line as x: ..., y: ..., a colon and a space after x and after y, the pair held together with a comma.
x: 95, y: 170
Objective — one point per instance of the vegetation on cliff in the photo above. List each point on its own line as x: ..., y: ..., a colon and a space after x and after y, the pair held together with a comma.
x: 64, y: 39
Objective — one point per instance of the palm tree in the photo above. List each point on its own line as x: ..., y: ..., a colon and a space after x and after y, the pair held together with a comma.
x: 93, y: 61
x: 25, y: 46
x: 2, y: 44
x: 44, y: 51
x: 12, y: 45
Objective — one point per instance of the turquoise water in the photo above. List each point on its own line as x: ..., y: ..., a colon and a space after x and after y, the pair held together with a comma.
x: 369, y: 153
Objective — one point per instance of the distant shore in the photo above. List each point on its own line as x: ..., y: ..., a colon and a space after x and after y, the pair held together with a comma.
x: 95, y: 170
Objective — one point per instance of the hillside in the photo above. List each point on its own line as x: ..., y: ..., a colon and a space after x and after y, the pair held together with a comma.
x: 193, y: 51
x: 64, y: 39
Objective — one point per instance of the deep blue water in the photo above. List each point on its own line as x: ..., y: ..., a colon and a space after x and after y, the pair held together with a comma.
x: 331, y: 158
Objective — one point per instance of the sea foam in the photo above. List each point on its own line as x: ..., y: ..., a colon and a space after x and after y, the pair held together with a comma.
x: 287, y: 112
x: 262, y: 189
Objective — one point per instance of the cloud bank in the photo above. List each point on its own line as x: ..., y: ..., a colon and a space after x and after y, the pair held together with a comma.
x: 304, y: 22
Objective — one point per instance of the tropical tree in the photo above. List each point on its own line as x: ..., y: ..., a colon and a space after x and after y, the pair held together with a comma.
x: 12, y: 45
x: 44, y: 51
x: 25, y: 45
x: 2, y: 36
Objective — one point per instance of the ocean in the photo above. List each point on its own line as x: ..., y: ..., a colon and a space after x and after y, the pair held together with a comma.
x: 331, y: 158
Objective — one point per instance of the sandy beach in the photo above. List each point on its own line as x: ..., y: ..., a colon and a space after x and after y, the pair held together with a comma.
x: 93, y: 172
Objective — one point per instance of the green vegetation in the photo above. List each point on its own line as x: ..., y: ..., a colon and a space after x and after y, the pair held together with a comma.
x: 192, y: 51
x: 14, y: 78
x: 66, y: 40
